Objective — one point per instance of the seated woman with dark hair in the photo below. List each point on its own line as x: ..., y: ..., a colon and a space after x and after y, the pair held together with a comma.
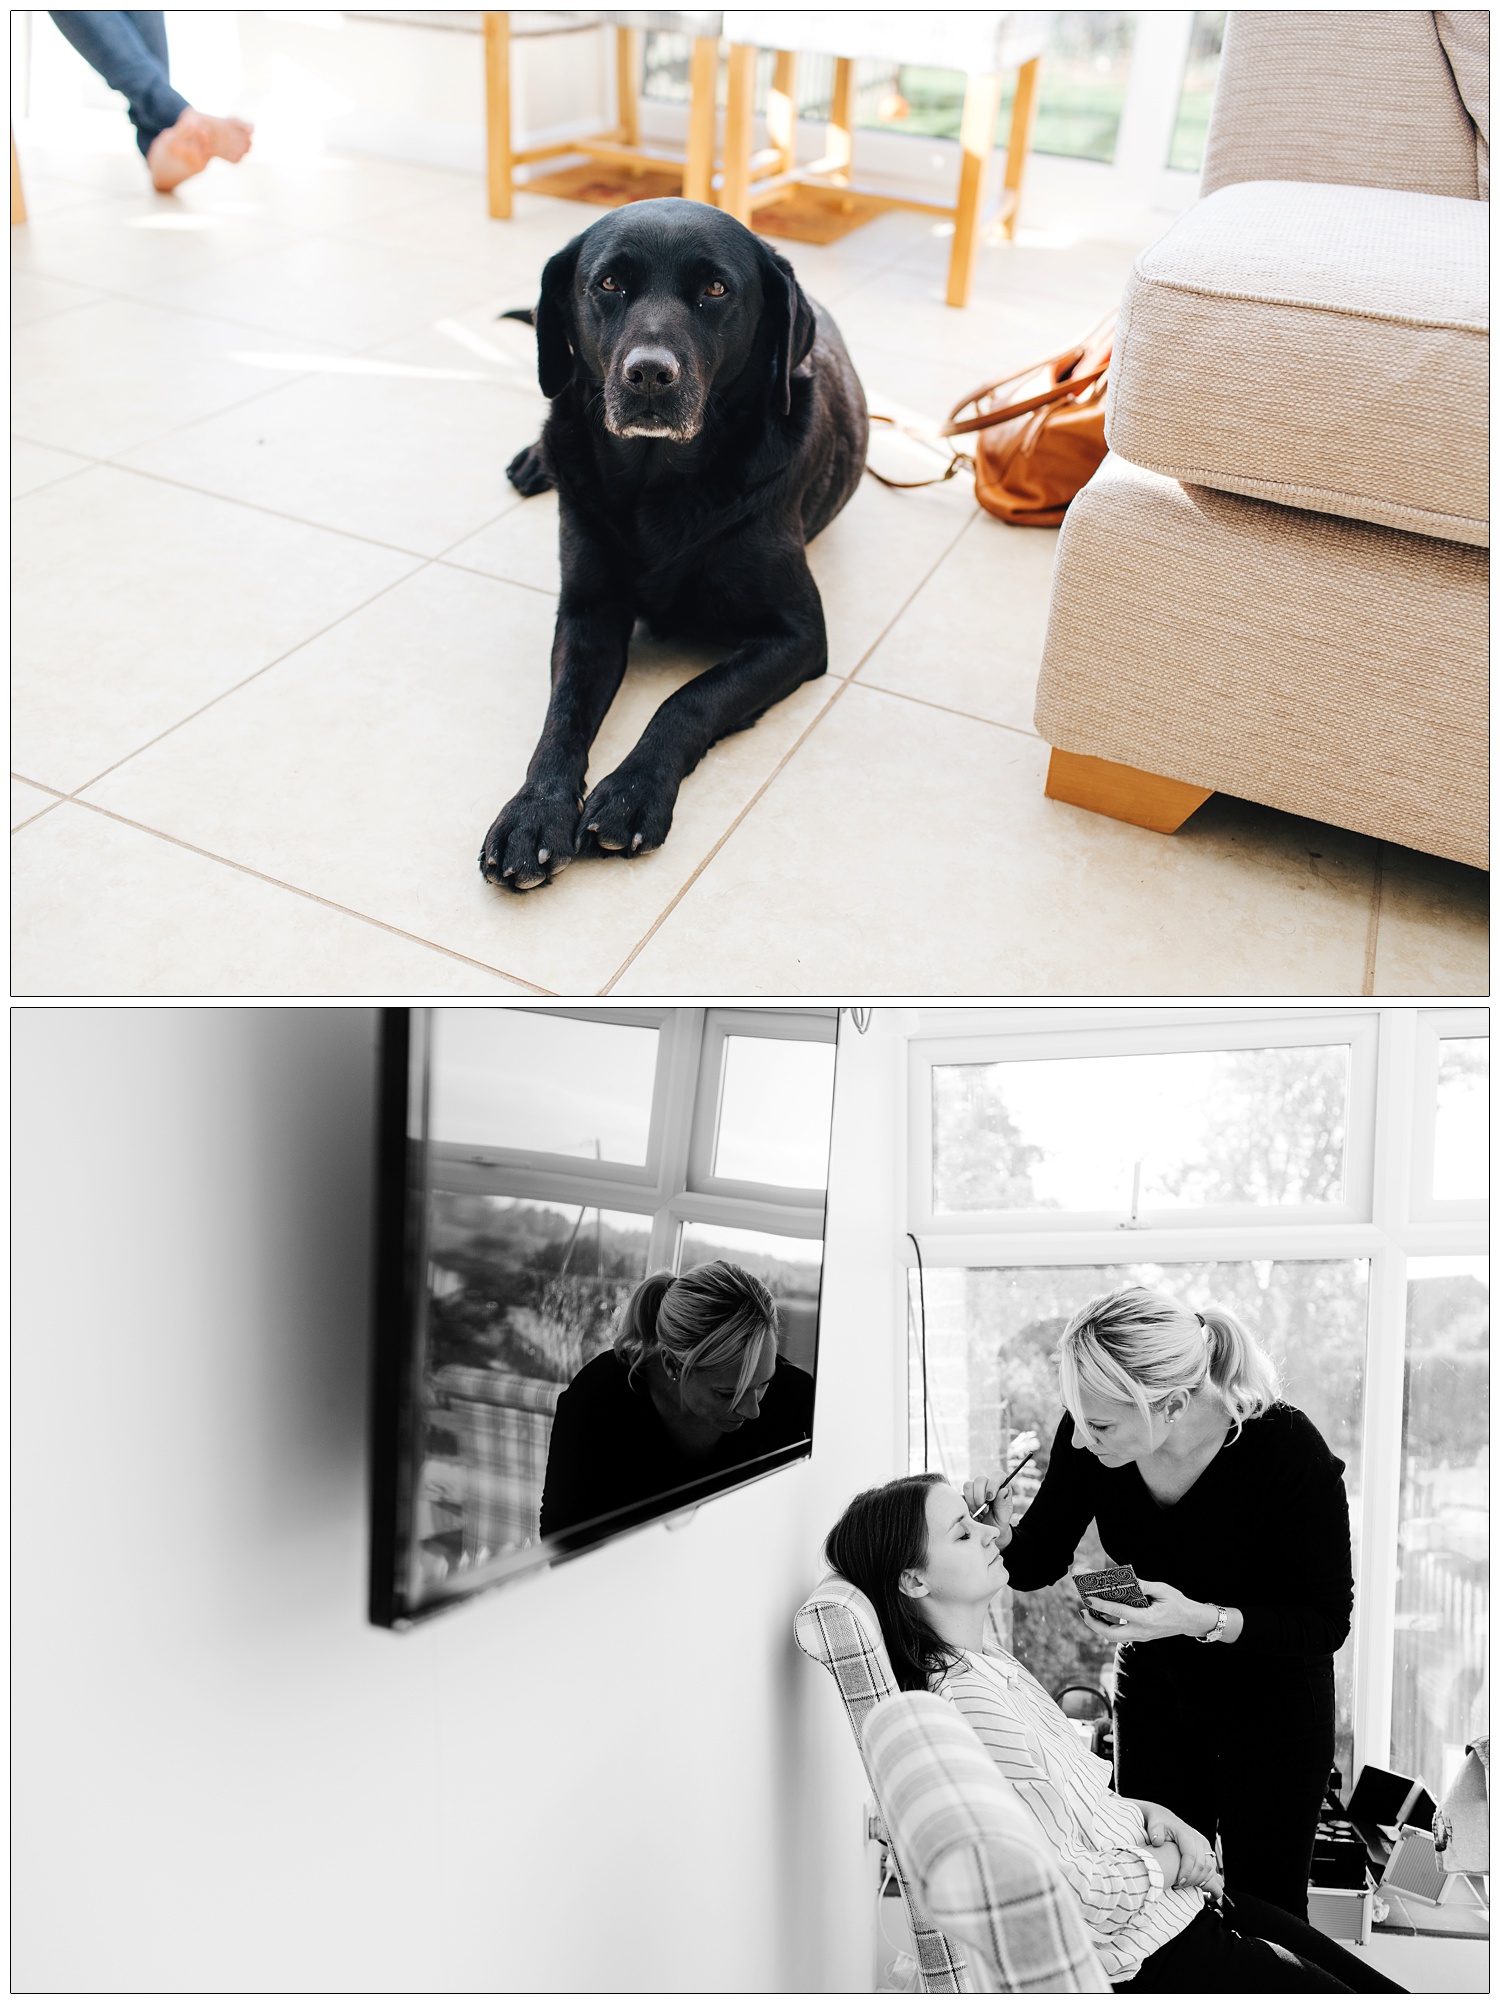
x: 1147, y: 1882
x: 692, y: 1387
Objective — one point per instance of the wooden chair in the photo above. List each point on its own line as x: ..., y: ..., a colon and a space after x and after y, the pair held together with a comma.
x: 982, y: 45
x: 621, y: 142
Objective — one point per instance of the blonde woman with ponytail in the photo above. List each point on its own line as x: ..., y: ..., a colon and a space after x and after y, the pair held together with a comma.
x: 1231, y: 1508
x: 692, y: 1385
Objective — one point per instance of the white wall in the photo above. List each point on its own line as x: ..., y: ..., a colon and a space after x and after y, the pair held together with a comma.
x: 616, y: 1775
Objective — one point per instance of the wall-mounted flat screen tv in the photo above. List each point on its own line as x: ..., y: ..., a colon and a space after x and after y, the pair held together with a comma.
x: 600, y: 1254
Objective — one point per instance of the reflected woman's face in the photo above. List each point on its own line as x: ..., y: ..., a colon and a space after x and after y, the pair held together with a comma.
x: 709, y: 1394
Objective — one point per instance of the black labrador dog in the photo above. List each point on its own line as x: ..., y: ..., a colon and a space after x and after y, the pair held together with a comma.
x: 706, y: 422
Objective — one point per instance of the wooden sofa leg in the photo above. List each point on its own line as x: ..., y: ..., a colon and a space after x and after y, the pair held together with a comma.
x: 1122, y: 791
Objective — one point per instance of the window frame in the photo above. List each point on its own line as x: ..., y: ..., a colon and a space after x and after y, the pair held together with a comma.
x: 686, y: 1094
x: 1433, y: 1027
x: 1282, y: 1031
x: 1392, y: 1090
x: 790, y: 1026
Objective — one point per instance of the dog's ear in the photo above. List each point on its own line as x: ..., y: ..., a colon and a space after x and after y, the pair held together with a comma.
x: 554, y: 320
x: 793, y: 323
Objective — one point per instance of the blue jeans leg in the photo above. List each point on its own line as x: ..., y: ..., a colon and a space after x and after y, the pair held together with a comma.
x: 130, y: 52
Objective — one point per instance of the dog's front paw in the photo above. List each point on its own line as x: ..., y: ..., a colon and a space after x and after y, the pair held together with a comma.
x: 531, y: 839
x: 629, y: 811
x: 529, y: 472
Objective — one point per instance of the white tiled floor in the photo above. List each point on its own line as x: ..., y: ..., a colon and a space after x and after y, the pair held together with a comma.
x: 282, y: 632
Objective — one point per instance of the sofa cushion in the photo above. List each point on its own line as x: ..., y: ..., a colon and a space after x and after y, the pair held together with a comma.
x: 1466, y: 44
x: 1363, y: 97
x: 1329, y: 668
x: 1322, y: 346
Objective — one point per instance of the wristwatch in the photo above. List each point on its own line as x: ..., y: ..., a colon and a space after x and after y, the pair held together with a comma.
x: 1219, y: 1626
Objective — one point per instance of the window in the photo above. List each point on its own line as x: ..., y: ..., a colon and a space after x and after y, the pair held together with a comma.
x: 521, y: 1081
x: 1195, y: 100
x: 1311, y: 1170
x: 1165, y: 1132
x: 991, y: 1337
x: 1243, y: 1123
x: 1441, y: 1668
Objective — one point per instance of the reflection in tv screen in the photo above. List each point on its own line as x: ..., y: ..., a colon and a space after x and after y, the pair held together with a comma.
x: 583, y: 1323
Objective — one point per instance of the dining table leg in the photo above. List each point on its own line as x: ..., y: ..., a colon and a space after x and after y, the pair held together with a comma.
x: 627, y: 96
x: 1018, y: 146
x: 839, y: 151
x: 739, y: 125
x: 976, y: 139
x: 697, y: 174
x: 781, y: 112
x: 497, y: 111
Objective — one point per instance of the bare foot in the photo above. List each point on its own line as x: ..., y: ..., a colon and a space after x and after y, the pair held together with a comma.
x: 186, y: 148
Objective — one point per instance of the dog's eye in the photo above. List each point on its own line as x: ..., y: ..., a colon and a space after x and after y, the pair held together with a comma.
x: 715, y: 289
x: 608, y: 284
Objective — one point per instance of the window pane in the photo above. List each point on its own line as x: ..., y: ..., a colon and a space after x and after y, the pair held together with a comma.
x: 790, y: 1268
x: 992, y: 1336
x: 507, y: 1078
x: 1460, y: 1158
x: 774, y: 1111
x: 1201, y: 1127
x: 1197, y: 94
x: 1442, y: 1597
x: 519, y: 1297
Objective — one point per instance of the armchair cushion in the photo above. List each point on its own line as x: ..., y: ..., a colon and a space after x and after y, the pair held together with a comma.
x: 980, y: 1862
x: 1325, y: 347
x: 1466, y: 43
x: 1366, y: 99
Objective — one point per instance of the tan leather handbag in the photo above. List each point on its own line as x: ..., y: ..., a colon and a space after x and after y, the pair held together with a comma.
x: 1039, y: 433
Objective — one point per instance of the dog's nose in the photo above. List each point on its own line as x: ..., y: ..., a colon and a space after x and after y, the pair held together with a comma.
x: 651, y: 369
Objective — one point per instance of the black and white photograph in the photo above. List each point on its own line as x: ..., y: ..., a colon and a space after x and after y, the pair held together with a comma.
x: 861, y: 1453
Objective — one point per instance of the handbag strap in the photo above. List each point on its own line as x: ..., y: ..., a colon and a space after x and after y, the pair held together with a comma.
x: 959, y: 458
x: 1069, y: 387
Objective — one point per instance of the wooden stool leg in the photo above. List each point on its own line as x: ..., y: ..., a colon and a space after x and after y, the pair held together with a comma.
x: 17, y: 199
x: 840, y: 148
x: 698, y: 174
x: 627, y: 95
x: 497, y: 110
x: 1018, y: 146
x: 977, y: 138
x: 1122, y: 791
x: 739, y: 121
x: 781, y: 112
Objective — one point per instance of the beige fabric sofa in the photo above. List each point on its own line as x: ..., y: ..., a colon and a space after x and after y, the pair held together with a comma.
x: 1276, y: 585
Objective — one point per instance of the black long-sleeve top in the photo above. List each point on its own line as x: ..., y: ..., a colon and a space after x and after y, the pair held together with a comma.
x: 1265, y: 1528
x: 609, y: 1448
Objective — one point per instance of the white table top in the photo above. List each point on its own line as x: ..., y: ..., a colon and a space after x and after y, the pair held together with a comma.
x: 980, y: 44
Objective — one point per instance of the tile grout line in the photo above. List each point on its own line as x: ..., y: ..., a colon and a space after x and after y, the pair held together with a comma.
x: 1372, y: 936
x: 60, y: 802
x: 422, y: 564
x: 312, y: 897
x: 845, y: 682
x: 265, y: 669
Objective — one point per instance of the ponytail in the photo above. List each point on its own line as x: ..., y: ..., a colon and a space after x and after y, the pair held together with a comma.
x: 1136, y: 1346
x: 1241, y: 1373
x: 636, y: 1333
x: 714, y: 1314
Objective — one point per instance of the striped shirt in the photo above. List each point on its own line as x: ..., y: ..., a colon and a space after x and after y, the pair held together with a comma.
x: 1099, y: 1838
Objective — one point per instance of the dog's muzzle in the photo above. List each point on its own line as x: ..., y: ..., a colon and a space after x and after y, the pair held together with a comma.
x: 648, y: 397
